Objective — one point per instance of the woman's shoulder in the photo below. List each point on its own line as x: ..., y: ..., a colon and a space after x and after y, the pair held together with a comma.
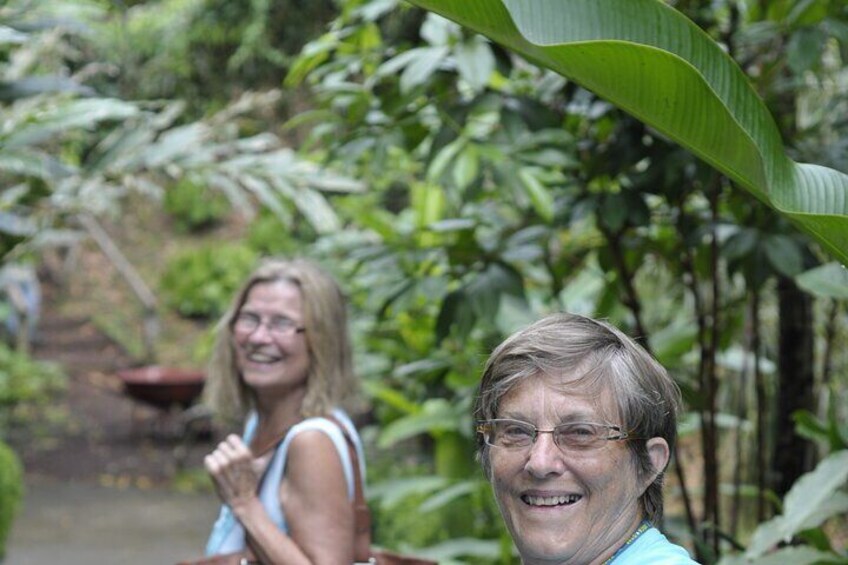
x: 315, y: 431
x: 335, y: 423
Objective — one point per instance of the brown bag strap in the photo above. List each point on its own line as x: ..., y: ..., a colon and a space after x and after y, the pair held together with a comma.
x: 361, y: 512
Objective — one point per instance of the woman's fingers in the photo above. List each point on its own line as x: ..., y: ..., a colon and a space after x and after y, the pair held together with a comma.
x: 230, y: 466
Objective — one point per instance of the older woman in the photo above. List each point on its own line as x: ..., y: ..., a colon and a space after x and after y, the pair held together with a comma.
x: 576, y: 424
x: 283, y: 360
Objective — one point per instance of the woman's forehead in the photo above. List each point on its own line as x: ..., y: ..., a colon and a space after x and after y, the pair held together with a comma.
x: 551, y: 396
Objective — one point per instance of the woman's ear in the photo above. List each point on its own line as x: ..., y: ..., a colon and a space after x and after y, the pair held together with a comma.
x: 659, y: 453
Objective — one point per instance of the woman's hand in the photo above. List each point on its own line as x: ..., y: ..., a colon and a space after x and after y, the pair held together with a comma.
x: 231, y: 468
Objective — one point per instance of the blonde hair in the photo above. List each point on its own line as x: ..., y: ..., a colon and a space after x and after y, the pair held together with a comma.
x: 330, y: 376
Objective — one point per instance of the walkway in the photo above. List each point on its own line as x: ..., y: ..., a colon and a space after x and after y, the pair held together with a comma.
x: 84, y: 524
x: 98, y: 472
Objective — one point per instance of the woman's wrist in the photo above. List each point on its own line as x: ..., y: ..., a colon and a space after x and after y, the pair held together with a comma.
x: 244, y: 505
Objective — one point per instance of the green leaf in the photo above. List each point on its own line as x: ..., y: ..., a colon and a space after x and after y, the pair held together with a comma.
x: 485, y: 290
x: 466, y: 168
x: 391, y: 397
x: 35, y: 164
x: 805, y: 49
x: 391, y: 493
x: 654, y: 63
x: 448, y: 495
x: 444, y: 157
x: 75, y: 114
x: 437, y: 415
x: 428, y: 203
x: 826, y: 281
x: 475, y: 62
x: 812, y: 499
x: 783, y: 556
x: 9, y: 35
x: 426, y: 61
x: 540, y: 196
x: 784, y: 254
x: 672, y: 342
x: 807, y: 12
x: 316, y: 210
x: 487, y: 550
x: 32, y: 86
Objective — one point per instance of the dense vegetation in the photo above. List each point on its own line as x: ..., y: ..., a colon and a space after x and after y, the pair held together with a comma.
x: 460, y: 191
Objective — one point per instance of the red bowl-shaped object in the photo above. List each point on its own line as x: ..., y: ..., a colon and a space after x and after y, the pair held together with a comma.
x: 163, y: 387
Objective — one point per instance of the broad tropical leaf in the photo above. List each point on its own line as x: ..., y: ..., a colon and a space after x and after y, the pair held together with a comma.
x: 811, y: 500
x: 651, y: 61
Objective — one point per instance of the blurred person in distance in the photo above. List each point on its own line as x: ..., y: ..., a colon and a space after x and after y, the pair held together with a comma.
x: 282, y: 361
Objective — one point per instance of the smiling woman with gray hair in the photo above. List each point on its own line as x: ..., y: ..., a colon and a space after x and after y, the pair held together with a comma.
x: 576, y: 424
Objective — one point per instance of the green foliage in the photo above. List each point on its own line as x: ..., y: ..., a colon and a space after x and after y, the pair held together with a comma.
x: 499, y: 192
x: 813, y: 499
x: 195, y: 207
x: 200, y: 283
x: 26, y: 386
x: 28, y: 390
x: 269, y: 234
x: 616, y: 49
x: 420, y: 513
x: 11, y: 491
x: 205, y: 51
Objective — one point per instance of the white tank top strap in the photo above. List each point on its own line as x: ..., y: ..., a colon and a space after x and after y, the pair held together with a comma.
x: 270, y: 488
x: 228, y: 535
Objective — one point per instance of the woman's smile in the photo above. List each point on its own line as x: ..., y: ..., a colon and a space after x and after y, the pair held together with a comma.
x: 547, y: 500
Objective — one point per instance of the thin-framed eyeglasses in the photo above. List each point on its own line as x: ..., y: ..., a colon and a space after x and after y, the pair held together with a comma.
x: 279, y: 326
x: 573, y: 436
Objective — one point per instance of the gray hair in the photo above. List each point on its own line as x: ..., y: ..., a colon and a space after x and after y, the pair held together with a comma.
x: 577, y: 351
x: 330, y: 378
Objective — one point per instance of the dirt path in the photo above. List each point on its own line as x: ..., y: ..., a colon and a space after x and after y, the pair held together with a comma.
x: 100, y: 473
x: 99, y: 434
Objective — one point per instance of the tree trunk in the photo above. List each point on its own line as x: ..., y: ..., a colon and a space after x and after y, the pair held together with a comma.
x: 793, y: 455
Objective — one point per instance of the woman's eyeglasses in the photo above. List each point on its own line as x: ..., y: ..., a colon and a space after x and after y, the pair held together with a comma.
x: 279, y: 326
x: 576, y: 436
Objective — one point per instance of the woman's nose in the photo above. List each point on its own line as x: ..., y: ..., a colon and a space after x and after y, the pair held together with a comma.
x: 261, y: 334
x: 544, y: 458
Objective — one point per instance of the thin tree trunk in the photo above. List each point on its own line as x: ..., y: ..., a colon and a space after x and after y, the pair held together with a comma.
x: 793, y: 455
x: 741, y: 416
x: 763, y: 408
x: 711, y: 440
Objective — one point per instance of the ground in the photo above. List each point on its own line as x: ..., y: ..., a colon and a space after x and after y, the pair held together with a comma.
x: 97, y: 433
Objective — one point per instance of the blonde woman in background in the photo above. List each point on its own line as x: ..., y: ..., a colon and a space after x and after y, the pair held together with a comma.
x: 282, y: 363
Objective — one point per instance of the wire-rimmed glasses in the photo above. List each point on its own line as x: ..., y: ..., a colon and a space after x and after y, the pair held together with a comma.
x: 278, y: 326
x: 574, y: 436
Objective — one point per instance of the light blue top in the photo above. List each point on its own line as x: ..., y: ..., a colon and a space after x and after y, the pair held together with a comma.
x: 654, y: 548
x: 228, y: 534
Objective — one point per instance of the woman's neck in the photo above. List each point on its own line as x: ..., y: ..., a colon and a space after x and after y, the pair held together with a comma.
x: 275, y: 417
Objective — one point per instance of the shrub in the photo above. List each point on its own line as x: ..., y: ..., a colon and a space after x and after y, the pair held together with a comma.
x: 26, y: 386
x: 270, y: 236
x: 11, y: 491
x: 200, y: 283
x: 195, y: 207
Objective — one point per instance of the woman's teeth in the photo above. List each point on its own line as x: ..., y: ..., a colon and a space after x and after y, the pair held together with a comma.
x: 551, y: 500
x: 263, y: 358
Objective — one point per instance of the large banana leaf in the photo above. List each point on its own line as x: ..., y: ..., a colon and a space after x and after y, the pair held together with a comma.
x: 654, y: 63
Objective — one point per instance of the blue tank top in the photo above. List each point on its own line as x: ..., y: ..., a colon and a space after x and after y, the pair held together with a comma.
x: 228, y: 534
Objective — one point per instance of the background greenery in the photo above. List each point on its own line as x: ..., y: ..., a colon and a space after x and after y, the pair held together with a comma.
x: 460, y: 191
